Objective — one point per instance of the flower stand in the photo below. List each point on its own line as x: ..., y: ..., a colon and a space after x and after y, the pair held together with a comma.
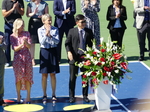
x: 103, y: 97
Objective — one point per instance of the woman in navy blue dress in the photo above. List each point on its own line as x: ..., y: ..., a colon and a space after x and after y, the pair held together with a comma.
x: 49, y: 39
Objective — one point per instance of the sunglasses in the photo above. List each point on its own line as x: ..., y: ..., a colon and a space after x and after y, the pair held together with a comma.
x: 83, y: 21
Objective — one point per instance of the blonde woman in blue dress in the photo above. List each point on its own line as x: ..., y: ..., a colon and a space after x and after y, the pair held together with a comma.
x: 90, y: 8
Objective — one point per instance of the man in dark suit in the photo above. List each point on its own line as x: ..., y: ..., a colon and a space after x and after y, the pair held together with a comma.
x: 78, y: 37
x: 64, y: 11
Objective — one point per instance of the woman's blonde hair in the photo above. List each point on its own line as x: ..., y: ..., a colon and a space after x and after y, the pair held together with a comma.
x: 17, y: 24
x: 46, y: 16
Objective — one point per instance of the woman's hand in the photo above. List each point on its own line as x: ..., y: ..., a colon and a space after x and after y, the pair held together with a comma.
x: 36, y: 10
x: 93, y: 2
x: 86, y: 3
x: 117, y: 12
x: 25, y: 42
x: 47, y: 27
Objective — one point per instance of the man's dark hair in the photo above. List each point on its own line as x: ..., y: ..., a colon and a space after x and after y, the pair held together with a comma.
x: 120, y: 2
x: 79, y: 17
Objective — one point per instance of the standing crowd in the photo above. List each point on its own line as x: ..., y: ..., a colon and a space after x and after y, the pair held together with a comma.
x: 41, y: 30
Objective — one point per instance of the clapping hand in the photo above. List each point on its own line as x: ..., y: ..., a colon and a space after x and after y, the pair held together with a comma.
x: 1, y: 39
x: 25, y: 41
x: 86, y: 2
x: 93, y: 2
x: 16, y: 5
x: 48, y: 27
x: 117, y: 12
x: 36, y: 10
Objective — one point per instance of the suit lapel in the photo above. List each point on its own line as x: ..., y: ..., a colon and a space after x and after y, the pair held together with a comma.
x: 67, y: 5
x: 113, y: 11
x: 61, y: 4
x: 77, y: 34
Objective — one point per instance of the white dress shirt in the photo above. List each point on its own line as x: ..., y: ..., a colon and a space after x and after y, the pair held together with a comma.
x: 64, y: 3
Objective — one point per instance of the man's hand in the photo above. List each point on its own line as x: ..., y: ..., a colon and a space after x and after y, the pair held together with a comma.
x: 146, y: 8
x: 70, y: 56
x: 15, y: 6
x: 67, y: 10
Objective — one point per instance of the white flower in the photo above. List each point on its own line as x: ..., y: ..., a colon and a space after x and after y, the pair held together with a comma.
x: 101, y: 39
x: 109, y: 74
x: 88, y: 56
x: 80, y: 65
x: 125, y: 57
x: 89, y: 73
x: 114, y: 47
x: 97, y: 50
x: 103, y: 63
x: 84, y: 85
x: 116, y: 71
x: 81, y: 73
x: 88, y: 49
x: 95, y: 62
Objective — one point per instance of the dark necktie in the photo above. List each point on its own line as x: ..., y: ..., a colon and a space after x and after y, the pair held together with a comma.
x: 82, y: 42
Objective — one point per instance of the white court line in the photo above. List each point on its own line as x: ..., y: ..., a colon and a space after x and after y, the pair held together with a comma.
x: 120, y: 103
x: 37, y: 66
x: 63, y: 65
x: 145, y: 65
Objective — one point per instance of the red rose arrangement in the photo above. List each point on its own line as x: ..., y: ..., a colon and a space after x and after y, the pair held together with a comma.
x: 108, y: 62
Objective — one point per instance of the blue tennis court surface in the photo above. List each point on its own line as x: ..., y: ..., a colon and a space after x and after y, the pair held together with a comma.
x: 133, y: 95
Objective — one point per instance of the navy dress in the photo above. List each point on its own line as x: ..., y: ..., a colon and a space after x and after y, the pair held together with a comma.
x: 48, y: 55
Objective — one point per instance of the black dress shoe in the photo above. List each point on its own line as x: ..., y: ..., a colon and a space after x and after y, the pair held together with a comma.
x: 145, y: 50
x: 2, y: 103
x: 72, y: 100
x: 141, y: 58
x: 86, y: 99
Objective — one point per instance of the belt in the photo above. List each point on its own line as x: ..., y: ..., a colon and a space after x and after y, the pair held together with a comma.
x: 36, y: 19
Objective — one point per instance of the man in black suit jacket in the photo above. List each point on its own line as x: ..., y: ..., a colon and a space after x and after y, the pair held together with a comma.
x: 64, y: 11
x: 78, y: 37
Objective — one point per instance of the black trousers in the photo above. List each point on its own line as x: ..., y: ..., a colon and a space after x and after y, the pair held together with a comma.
x: 141, y: 34
x: 72, y: 80
x: 8, y: 31
x: 63, y: 29
x: 117, y: 35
